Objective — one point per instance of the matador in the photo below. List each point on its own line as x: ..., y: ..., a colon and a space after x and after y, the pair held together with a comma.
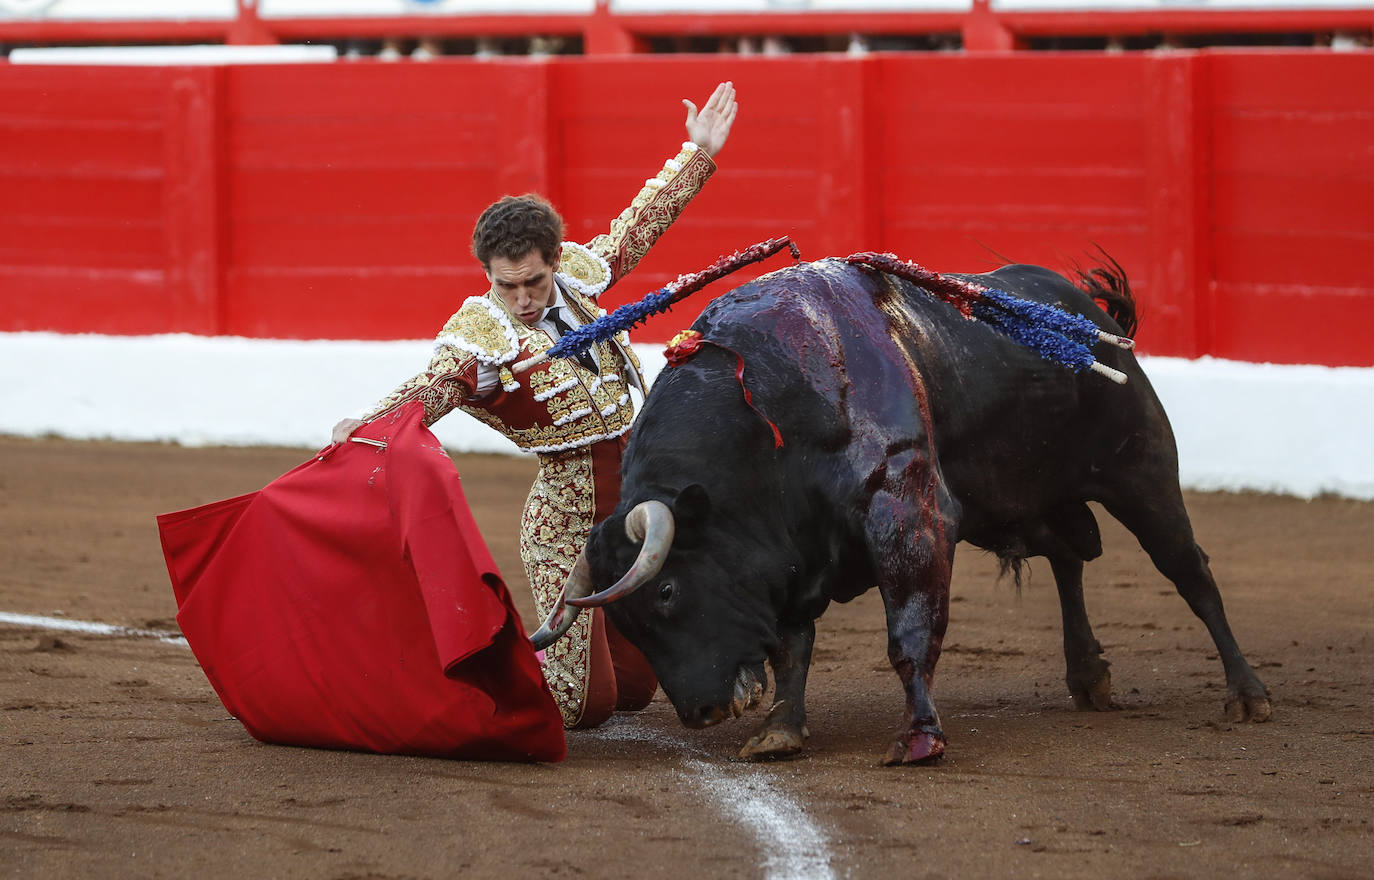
x: 575, y: 414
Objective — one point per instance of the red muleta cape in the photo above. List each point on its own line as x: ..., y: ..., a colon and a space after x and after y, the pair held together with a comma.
x: 353, y: 604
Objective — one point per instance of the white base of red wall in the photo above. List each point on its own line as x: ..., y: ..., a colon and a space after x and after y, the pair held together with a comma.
x: 1297, y: 430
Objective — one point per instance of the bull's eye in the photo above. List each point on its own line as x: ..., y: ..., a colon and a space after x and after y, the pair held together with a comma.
x: 665, y: 591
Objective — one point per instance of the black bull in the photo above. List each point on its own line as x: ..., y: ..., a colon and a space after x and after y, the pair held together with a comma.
x: 906, y: 428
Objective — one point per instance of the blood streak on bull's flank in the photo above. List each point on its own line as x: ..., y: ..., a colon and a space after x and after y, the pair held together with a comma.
x: 903, y: 331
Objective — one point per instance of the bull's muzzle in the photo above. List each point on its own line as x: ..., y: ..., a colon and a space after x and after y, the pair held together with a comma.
x: 748, y: 691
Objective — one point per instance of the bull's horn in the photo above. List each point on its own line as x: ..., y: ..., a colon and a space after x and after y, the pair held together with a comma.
x: 651, y: 522
x: 561, y: 618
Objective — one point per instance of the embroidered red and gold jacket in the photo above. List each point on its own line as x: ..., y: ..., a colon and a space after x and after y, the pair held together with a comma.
x: 559, y: 404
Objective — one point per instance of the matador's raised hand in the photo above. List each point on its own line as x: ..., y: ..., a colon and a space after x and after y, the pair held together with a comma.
x: 710, y: 127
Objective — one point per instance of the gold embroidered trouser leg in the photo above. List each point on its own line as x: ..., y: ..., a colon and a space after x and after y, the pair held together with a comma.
x: 572, y: 491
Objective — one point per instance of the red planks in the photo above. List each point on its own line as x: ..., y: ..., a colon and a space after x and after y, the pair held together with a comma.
x: 83, y: 174
x: 347, y: 304
x: 1293, y: 186
x: 337, y: 200
x: 79, y: 300
x: 1293, y: 324
x: 346, y: 181
x: 1031, y: 157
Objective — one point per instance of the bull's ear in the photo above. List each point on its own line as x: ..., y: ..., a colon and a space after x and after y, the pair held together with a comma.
x: 691, y: 506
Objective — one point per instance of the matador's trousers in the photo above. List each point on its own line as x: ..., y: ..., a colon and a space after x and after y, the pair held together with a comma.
x: 592, y: 671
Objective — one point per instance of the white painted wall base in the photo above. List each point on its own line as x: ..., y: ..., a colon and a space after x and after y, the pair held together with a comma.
x: 1298, y: 430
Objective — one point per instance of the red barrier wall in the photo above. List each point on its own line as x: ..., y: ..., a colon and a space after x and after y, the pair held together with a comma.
x: 335, y: 201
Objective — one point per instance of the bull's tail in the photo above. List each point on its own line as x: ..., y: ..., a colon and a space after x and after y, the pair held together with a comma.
x: 1106, y: 282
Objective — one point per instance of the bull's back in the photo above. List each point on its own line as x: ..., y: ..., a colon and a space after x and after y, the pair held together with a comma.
x: 1022, y: 436
x: 825, y: 348
x: 857, y: 337
x: 1012, y: 434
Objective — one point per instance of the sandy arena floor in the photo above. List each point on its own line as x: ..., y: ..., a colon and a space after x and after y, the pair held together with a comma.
x: 119, y: 761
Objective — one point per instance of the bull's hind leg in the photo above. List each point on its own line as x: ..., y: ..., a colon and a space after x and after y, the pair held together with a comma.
x: 913, y: 555
x: 1157, y: 517
x: 1088, y: 676
x: 783, y: 732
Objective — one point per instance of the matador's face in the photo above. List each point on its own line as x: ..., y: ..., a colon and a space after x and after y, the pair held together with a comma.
x: 525, y: 285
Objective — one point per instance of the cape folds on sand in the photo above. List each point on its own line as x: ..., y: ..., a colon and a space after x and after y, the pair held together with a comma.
x: 353, y: 604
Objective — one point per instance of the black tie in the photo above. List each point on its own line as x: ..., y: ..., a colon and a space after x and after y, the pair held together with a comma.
x: 584, y: 357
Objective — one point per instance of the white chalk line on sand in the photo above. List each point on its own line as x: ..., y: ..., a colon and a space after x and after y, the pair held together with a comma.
x: 794, y: 847
x: 89, y: 627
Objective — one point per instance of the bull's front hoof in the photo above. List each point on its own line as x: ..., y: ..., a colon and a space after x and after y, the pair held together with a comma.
x: 1094, y: 695
x: 918, y: 748
x: 1255, y: 708
x: 773, y: 742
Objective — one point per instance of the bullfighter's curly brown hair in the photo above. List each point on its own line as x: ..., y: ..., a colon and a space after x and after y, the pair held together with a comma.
x: 515, y: 226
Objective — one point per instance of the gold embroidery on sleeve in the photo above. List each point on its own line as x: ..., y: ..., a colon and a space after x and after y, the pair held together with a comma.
x: 442, y: 388
x: 653, y: 210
